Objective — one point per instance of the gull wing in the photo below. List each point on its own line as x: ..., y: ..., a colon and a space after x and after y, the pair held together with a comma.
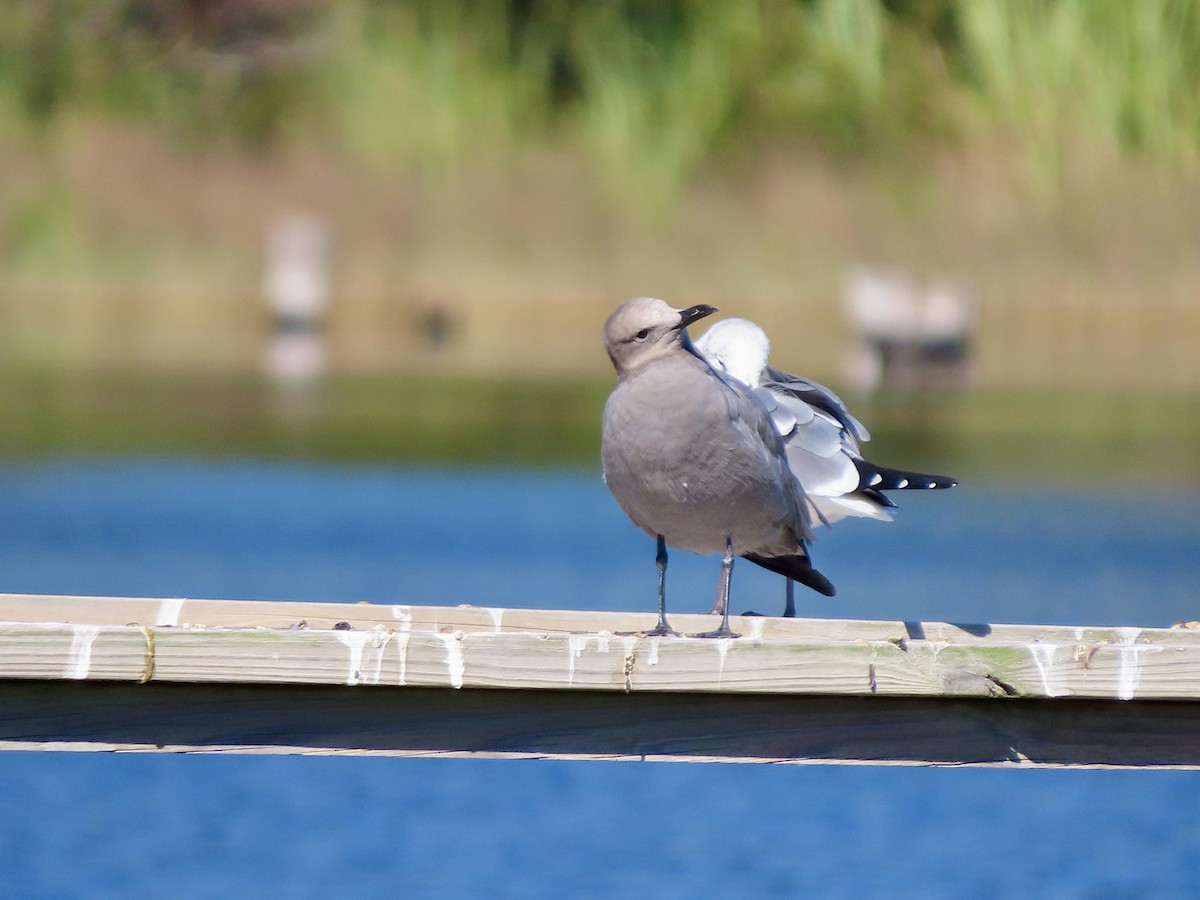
x: 817, y: 396
x: 820, y: 449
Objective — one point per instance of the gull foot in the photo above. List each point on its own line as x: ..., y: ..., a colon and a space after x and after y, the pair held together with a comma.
x: 660, y: 630
x: 723, y: 632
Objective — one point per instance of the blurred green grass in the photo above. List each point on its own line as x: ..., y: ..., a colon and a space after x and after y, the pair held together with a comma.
x: 652, y: 92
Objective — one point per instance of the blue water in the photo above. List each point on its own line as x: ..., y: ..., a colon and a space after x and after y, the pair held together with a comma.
x: 102, y: 825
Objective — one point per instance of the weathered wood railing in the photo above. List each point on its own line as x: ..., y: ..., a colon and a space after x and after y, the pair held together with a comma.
x: 269, y: 676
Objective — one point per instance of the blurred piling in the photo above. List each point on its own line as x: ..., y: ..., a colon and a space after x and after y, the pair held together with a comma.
x: 909, y: 336
x: 296, y: 289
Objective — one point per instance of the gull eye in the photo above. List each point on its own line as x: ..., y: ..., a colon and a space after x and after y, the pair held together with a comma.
x: 643, y: 334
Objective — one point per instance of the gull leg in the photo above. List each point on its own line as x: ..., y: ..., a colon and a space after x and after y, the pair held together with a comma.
x: 722, y: 600
x: 660, y: 560
x: 723, y: 595
x: 789, y: 607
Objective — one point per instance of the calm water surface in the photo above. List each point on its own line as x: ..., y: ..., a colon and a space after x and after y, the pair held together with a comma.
x: 93, y: 825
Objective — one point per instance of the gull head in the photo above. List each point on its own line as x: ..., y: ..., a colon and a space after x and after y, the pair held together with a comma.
x: 738, y: 348
x: 645, y: 328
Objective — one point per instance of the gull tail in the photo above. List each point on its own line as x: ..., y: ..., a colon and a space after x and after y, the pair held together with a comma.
x: 880, y: 478
x: 798, y: 568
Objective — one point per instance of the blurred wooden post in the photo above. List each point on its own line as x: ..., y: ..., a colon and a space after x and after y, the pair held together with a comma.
x: 296, y: 288
x: 909, y: 337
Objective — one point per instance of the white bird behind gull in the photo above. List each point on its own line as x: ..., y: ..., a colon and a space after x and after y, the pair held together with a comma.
x: 693, y: 457
x: 821, y: 437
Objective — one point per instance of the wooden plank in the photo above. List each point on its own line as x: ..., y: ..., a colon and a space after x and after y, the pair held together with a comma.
x: 84, y: 610
x: 595, y: 725
x: 253, y: 676
x: 544, y: 661
x: 76, y: 652
x: 466, y: 647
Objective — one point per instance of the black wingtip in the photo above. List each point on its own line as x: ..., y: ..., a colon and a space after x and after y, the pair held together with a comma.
x: 881, y: 478
x: 797, y: 568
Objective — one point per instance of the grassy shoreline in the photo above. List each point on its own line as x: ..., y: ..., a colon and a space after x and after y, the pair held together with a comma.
x: 1087, y: 440
x: 748, y: 154
x: 1096, y: 290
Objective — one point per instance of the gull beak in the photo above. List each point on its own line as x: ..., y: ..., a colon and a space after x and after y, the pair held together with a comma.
x: 692, y: 313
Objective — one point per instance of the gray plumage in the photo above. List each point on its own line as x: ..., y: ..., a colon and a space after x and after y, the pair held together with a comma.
x: 692, y: 456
